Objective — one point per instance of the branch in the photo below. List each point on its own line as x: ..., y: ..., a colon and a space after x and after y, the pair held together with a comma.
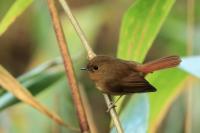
x: 113, y: 114
x: 190, y: 43
x: 91, y: 55
x: 68, y: 67
x: 79, y: 31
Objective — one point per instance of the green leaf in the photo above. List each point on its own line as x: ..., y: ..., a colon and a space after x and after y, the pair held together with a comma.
x: 184, y: 110
x: 168, y: 84
x: 15, y: 10
x: 134, y: 117
x: 35, y: 81
x: 140, y: 26
x: 174, y: 120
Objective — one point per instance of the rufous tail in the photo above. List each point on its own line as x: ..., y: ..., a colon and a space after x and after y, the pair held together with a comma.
x: 162, y: 63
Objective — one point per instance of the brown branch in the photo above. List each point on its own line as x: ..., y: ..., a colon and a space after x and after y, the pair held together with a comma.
x: 91, y: 55
x: 68, y: 67
x: 79, y: 31
x: 190, y: 41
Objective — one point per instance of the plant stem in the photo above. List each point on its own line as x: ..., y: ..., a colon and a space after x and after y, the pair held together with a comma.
x: 79, y: 31
x: 113, y: 114
x: 190, y: 37
x: 91, y: 55
x: 68, y: 67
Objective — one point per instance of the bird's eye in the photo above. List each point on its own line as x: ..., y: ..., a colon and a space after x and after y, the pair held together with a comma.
x: 95, y: 67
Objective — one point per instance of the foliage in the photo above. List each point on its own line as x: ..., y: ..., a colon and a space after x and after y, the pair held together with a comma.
x: 35, y: 81
x: 16, y: 10
x: 140, y: 27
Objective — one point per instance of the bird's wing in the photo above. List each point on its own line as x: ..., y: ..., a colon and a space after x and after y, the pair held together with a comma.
x: 133, y: 83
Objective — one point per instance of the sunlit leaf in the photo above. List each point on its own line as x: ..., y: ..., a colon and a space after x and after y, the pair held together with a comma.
x: 15, y: 10
x: 184, y: 115
x: 168, y: 84
x: 140, y: 26
x: 174, y: 120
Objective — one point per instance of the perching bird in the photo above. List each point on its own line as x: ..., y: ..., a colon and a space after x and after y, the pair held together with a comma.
x: 120, y: 77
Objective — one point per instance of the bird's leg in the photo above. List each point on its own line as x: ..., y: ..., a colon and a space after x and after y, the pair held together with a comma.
x: 112, y: 104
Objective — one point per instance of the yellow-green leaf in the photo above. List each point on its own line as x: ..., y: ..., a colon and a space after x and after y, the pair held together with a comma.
x: 168, y: 84
x: 140, y: 26
x: 15, y: 10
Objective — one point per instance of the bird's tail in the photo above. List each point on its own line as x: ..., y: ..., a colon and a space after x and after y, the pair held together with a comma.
x: 162, y: 63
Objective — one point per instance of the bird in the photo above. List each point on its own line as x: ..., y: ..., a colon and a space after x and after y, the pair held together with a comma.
x: 116, y: 76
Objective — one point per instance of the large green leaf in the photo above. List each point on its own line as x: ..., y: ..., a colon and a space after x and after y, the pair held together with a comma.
x: 174, y: 120
x: 184, y: 110
x: 140, y: 26
x: 168, y: 84
x: 15, y: 10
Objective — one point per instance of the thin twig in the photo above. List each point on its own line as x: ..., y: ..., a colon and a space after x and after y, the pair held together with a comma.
x: 68, y: 67
x: 190, y: 35
x: 91, y: 55
x: 79, y: 31
x: 113, y: 114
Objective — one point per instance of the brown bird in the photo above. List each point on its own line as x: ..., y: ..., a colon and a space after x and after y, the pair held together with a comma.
x: 120, y: 77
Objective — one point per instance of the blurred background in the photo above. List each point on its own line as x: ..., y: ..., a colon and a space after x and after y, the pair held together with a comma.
x: 30, y: 41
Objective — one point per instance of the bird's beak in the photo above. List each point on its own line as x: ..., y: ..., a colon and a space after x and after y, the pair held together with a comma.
x: 84, y: 69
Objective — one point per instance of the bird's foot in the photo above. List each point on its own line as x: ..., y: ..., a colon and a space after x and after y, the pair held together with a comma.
x: 111, y: 106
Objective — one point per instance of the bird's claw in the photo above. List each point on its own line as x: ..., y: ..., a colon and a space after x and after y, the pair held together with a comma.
x: 111, y: 106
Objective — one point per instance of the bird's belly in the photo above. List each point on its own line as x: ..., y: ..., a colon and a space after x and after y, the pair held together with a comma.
x: 104, y: 89
x: 101, y: 87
